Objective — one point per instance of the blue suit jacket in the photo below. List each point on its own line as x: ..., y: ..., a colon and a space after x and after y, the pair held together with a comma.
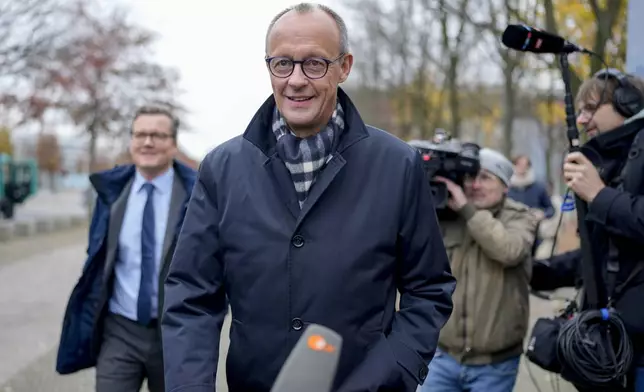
x: 80, y: 338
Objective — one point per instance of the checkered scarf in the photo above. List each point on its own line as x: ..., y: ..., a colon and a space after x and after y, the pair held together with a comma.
x: 305, y: 158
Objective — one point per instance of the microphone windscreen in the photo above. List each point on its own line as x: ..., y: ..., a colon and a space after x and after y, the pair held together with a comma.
x: 514, y: 37
x: 312, y: 364
x: 528, y: 39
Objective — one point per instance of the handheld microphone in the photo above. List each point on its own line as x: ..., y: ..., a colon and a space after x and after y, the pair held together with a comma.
x: 312, y: 364
x: 530, y: 39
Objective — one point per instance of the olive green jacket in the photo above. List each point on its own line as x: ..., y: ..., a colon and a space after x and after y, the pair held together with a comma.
x: 490, y: 256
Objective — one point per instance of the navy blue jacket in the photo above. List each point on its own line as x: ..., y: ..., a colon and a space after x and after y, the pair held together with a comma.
x: 80, y: 338
x: 367, y: 228
x: 534, y: 195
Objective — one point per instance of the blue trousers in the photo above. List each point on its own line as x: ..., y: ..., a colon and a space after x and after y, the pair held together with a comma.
x: 639, y: 379
x: 448, y: 375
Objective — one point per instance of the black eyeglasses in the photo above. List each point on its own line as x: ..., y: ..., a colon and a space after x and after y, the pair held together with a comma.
x: 313, y: 68
x: 141, y: 137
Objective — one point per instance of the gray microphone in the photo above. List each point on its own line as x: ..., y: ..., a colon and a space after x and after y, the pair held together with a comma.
x: 312, y: 364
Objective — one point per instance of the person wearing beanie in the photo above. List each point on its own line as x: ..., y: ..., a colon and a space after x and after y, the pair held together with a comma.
x: 489, y: 248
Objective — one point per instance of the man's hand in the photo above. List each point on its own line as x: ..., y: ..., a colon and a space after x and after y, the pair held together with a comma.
x: 457, y: 199
x: 582, y: 177
x: 539, y: 214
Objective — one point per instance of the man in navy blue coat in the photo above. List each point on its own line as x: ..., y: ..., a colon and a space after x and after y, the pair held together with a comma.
x: 111, y: 318
x: 310, y: 216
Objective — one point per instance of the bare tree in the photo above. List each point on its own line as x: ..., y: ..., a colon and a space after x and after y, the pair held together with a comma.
x: 26, y: 31
x: 422, y: 114
x: 102, y: 72
x: 452, y: 17
x: 394, y: 60
x: 496, y: 15
x: 511, y: 61
x: 382, y: 56
x: 605, y: 18
x: 607, y: 15
x: 49, y: 157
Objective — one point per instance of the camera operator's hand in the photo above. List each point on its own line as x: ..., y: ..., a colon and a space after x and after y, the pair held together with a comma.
x: 582, y: 177
x: 457, y: 199
x: 538, y: 214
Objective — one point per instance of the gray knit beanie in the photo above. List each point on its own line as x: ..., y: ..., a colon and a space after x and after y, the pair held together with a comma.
x: 497, y: 164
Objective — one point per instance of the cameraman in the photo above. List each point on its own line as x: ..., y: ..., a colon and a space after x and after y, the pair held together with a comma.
x: 608, y: 174
x: 489, y: 247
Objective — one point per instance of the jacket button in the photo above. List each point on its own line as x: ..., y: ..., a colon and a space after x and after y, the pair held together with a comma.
x: 298, y: 241
x: 422, y: 373
x: 297, y: 324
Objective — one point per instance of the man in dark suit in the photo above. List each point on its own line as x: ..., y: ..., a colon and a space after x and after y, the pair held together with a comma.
x: 309, y: 217
x: 111, y: 319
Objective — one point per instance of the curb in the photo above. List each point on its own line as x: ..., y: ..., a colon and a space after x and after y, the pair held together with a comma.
x: 30, y: 227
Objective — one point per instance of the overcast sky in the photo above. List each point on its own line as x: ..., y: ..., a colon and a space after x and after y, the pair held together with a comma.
x: 218, y: 47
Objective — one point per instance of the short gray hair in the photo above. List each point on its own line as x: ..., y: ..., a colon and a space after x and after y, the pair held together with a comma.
x: 303, y: 8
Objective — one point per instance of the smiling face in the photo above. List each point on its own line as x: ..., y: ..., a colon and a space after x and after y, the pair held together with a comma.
x: 153, y: 144
x: 597, y: 118
x: 596, y: 113
x: 485, y: 190
x: 305, y: 103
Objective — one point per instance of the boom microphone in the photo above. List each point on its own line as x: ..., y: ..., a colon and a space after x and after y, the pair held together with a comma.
x: 312, y: 364
x: 530, y: 39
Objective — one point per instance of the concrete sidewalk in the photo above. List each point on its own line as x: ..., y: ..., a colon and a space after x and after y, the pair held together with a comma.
x: 34, y: 289
x: 45, y: 212
x: 33, y: 295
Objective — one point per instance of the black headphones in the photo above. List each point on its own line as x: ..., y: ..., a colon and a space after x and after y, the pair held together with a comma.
x: 627, y: 99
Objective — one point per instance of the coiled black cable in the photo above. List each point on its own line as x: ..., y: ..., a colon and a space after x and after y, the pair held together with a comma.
x: 595, y: 349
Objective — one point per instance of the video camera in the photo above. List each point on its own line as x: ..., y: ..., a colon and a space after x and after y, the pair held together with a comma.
x: 449, y: 158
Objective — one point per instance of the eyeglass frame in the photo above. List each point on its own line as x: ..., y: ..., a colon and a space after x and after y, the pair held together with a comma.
x: 141, y: 137
x: 589, y: 110
x: 328, y: 62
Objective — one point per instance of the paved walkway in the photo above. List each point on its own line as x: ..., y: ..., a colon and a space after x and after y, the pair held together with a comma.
x: 43, y: 214
x: 33, y: 293
x: 46, y: 203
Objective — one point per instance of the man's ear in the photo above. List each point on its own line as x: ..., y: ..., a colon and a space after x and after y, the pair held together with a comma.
x: 345, y: 67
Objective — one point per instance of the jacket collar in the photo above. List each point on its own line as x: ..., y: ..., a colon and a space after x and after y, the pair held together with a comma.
x: 259, y: 131
x: 614, y: 144
x: 110, y: 183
